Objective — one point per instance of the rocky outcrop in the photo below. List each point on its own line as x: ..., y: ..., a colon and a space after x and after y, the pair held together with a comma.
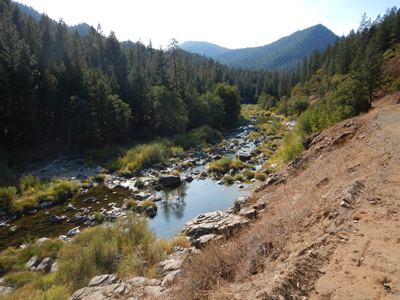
x: 45, y: 265
x: 169, y: 180
x: 243, y: 156
x: 215, y: 225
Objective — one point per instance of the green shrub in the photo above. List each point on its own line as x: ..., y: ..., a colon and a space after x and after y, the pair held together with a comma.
x: 177, y: 150
x: 187, y: 164
x: 291, y: 146
x: 64, y: 190
x: 99, y: 178
x: 124, y: 173
x: 203, y: 174
x: 146, y: 204
x: 239, y: 177
x: 99, y: 217
x: 260, y: 176
x: 27, y: 182
x: 131, y: 204
x: 175, y: 173
x: 274, y: 126
x: 229, y: 179
x: 113, y: 165
x: 7, y: 196
x: 249, y: 174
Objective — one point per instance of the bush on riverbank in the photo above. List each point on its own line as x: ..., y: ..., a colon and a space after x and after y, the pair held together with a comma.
x: 32, y: 196
x: 129, y: 248
x: 225, y: 164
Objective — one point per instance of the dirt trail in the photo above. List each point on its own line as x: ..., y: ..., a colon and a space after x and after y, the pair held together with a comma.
x: 346, y: 241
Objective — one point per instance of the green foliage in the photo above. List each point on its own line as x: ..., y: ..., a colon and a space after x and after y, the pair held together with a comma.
x: 99, y: 217
x: 95, y: 251
x: 64, y: 190
x: 131, y: 204
x: 260, y: 176
x: 146, y: 204
x: 291, y: 147
x: 266, y: 102
x: 99, y: 178
x: 249, y: 174
x: 124, y: 173
x: 297, y: 106
x: 229, y: 179
x: 230, y: 96
x: 274, y: 126
x: 7, y: 196
x: 239, y: 177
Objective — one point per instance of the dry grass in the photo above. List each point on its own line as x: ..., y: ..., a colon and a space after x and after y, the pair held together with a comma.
x: 292, y: 207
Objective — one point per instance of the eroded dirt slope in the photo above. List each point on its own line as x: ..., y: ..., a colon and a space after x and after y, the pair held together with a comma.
x: 337, y: 215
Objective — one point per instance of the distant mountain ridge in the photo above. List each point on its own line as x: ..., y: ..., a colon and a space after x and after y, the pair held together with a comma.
x: 283, y: 54
x: 204, y: 48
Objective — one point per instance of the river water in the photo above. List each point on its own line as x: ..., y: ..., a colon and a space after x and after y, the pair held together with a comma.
x: 178, y: 206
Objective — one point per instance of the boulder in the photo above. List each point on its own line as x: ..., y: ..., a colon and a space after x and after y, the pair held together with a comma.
x: 92, y: 222
x: 45, y: 204
x: 90, y: 200
x: 150, y: 212
x: 73, y: 231
x: 56, y: 219
x: 170, y: 277
x: 243, y: 156
x: 32, y: 262
x: 78, y: 220
x: 309, y: 140
x: 169, y: 180
x: 103, y: 279
x: 41, y: 240
x: 54, y: 267
x: 45, y: 265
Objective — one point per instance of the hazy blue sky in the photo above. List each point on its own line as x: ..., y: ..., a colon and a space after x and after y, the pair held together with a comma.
x: 230, y: 24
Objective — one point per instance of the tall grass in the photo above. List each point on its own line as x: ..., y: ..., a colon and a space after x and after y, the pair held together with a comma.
x: 123, y: 248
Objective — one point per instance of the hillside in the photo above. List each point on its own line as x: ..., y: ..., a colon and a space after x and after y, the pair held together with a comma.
x: 329, y: 229
x: 282, y: 54
x: 204, y: 48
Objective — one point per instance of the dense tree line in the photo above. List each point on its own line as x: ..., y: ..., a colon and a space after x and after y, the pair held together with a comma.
x: 344, y: 77
x: 89, y: 90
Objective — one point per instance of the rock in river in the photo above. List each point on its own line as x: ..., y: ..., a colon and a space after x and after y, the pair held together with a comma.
x: 90, y: 200
x: 169, y: 180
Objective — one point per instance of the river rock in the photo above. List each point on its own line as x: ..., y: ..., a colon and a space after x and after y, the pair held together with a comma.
x: 32, y: 262
x: 45, y: 204
x: 54, y: 267
x: 41, y: 240
x: 78, y: 220
x: 56, y: 219
x: 102, y: 280
x: 243, y: 156
x: 92, y: 222
x: 170, y: 277
x: 45, y: 265
x: 90, y: 200
x: 150, y: 212
x: 74, y: 231
x: 169, y: 180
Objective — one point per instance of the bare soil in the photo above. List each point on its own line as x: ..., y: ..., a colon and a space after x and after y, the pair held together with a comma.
x: 336, y: 218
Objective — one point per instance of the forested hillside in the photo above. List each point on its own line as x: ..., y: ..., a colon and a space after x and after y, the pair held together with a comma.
x: 204, y: 48
x: 343, y: 78
x: 89, y: 91
x: 283, y: 54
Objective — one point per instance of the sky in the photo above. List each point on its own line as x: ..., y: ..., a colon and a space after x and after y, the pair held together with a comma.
x: 231, y: 24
